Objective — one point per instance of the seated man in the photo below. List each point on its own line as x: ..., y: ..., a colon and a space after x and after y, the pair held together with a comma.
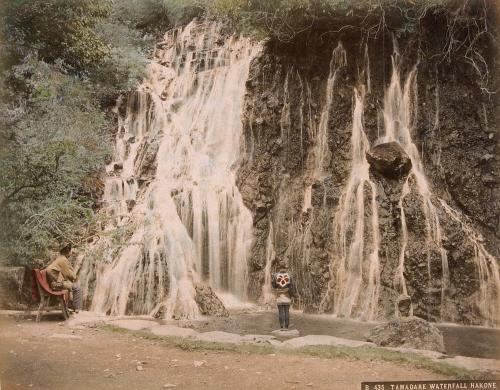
x: 61, y: 276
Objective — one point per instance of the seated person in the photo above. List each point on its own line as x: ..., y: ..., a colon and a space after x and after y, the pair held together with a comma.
x: 61, y: 276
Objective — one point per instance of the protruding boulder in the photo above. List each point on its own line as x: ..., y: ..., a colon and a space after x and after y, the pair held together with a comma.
x: 208, y: 303
x: 389, y: 159
x: 410, y: 332
x: 130, y: 204
x: 404, y: 305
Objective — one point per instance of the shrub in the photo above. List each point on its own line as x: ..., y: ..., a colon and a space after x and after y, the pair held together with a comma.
x: 157, y: 15
x: 59, y: 29
x: 54, y: 140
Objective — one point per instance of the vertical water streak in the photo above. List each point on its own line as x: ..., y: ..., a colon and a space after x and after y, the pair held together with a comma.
x: 285, y: 122
x: 338, y: 60
x: 399, y: 111
x: 488, y: 299
x: 350, y: 296
x: 267, y: 291
x: 400, y: 281
x: 319, y: 135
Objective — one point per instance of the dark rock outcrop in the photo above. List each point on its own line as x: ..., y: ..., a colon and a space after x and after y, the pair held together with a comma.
x: 411, y: 332
x: 404, y: 305
x: 208, y: 302
x: 389, y: 159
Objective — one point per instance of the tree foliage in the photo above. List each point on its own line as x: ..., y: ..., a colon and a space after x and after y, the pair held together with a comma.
x: 286, y: 19
x: 157, y: 15
x: 67, y: 62
x: 60, y: 29
x: 53, y: 143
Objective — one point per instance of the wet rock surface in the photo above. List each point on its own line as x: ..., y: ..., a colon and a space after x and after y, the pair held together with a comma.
x: 389, y: 159
x: 452, y: 132
x: 411, y: 332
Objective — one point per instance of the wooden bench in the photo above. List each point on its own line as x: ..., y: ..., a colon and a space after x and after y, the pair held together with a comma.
x: 46, y: 296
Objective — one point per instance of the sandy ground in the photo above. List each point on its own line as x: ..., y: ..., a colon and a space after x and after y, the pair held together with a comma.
x: 51, y: 356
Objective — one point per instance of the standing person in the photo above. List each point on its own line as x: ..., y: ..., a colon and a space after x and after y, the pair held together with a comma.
x: 285, y: 290
x: 61, y: 276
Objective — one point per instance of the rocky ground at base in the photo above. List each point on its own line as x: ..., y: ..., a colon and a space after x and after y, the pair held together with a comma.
x: 51, y: 355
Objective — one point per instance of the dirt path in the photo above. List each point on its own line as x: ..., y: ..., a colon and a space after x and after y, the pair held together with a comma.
x: 54, y: 357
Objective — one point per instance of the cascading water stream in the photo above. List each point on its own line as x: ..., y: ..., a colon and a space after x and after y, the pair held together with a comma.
x: 267, y: 291
x: 320, y: 149
x: 399, y: 110
x: 339, y: 60
x: 189, y: 223
x: 353, y: 257
x: 486, y: 267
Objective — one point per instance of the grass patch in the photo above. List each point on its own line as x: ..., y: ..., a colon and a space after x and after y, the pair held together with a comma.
x: 382, y: 354
x: 324, y: 352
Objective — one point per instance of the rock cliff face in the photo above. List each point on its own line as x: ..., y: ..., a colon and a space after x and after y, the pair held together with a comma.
x: 367, y: 166
x: 438, y: 237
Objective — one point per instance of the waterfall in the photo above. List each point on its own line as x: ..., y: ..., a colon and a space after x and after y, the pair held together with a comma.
x: 187, y: 222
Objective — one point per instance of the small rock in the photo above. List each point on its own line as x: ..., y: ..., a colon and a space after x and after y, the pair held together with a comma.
x: 169, y: 386
x: 226, y: 368
x: 410, y: 332
x: 310, y: 384
x: 139, y: 368
x: 208, y: 302
x: 199, y: 363
x: 286, y: 332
